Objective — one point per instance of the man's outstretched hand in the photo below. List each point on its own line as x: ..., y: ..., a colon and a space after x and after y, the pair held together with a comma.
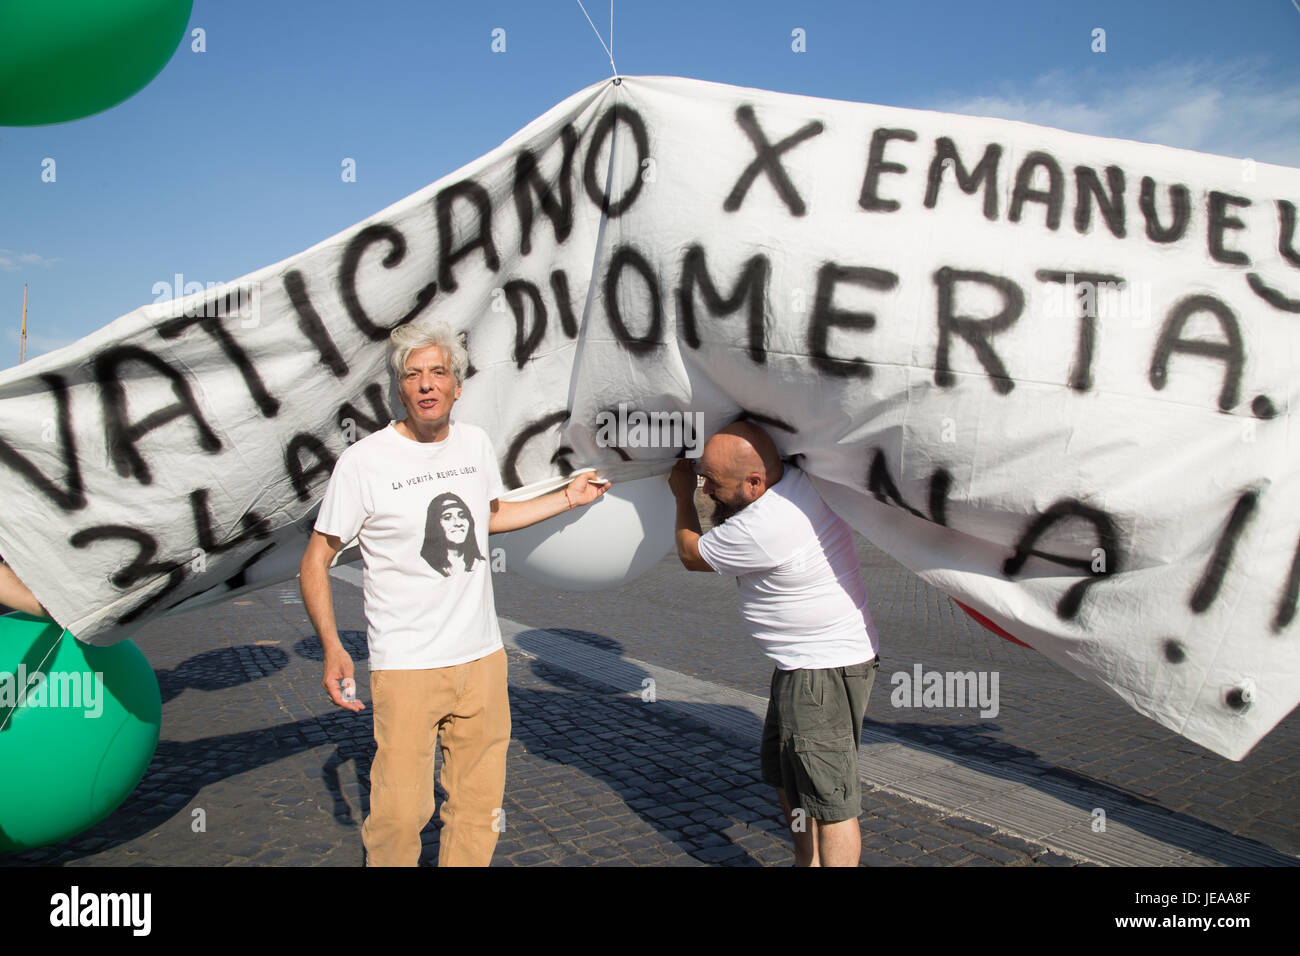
x: 583, y: 491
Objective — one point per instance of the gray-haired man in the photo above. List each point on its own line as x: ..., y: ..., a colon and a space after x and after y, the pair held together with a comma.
x: 421, y: 497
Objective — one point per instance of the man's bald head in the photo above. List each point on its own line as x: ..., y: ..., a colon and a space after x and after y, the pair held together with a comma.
x: 739, y: 464
x: 743, y: 447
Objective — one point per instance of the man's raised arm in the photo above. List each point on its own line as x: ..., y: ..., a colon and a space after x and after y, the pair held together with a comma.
x: 683, y: 484
x: 513, y: 515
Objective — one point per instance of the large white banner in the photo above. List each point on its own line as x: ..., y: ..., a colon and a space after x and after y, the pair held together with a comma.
x: 1053, y: 374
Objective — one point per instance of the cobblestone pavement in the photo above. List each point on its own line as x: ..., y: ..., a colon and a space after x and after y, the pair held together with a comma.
x: 1048, y: 720
x: 256, y: 767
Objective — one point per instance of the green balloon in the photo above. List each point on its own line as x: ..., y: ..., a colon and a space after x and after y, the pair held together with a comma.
x: 79, y: 739
x: 61, y: 60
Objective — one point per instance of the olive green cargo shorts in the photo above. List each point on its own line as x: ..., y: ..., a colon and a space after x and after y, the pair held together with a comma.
x: 811, y: 735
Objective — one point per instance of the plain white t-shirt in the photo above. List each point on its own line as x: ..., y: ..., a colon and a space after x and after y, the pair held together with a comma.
x: 801, y: 590
x: 421, y: 512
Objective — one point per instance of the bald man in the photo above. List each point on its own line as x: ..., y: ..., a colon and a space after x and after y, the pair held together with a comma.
x: 803, y: 600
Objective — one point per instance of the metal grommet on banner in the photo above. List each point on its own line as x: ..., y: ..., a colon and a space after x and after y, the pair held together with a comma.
x: 618, y: 81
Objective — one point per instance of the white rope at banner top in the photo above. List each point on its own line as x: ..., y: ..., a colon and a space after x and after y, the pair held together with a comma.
x: 609, y: 50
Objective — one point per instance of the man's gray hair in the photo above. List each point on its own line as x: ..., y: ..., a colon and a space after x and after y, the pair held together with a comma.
x: 423, y: 333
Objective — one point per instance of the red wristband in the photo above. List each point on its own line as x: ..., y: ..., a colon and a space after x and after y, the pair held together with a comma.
x: 566, y: 498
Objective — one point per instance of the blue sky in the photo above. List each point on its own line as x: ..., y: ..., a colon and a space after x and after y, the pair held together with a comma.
x: 231, y: 158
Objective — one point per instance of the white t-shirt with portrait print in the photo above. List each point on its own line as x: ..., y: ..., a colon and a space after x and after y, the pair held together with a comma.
x: 801, y: 589
x: 420, y: 512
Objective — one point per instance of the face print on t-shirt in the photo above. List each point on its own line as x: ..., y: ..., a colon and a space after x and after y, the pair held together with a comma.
x: 450, y: 544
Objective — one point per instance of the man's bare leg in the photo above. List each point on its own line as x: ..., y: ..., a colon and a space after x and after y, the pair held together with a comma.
x: 839, y: 843
x: 822, y: 844
x: 805, y: 836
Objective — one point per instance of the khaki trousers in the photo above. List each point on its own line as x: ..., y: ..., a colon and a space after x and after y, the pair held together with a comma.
x: 467, y: 707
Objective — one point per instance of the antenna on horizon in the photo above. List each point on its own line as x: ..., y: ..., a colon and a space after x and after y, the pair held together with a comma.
x: 22, y: 338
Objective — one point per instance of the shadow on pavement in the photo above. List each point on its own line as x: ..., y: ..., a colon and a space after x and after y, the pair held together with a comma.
x: 220, y: 669
x: 354, y: 642
x: 665, y: 766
